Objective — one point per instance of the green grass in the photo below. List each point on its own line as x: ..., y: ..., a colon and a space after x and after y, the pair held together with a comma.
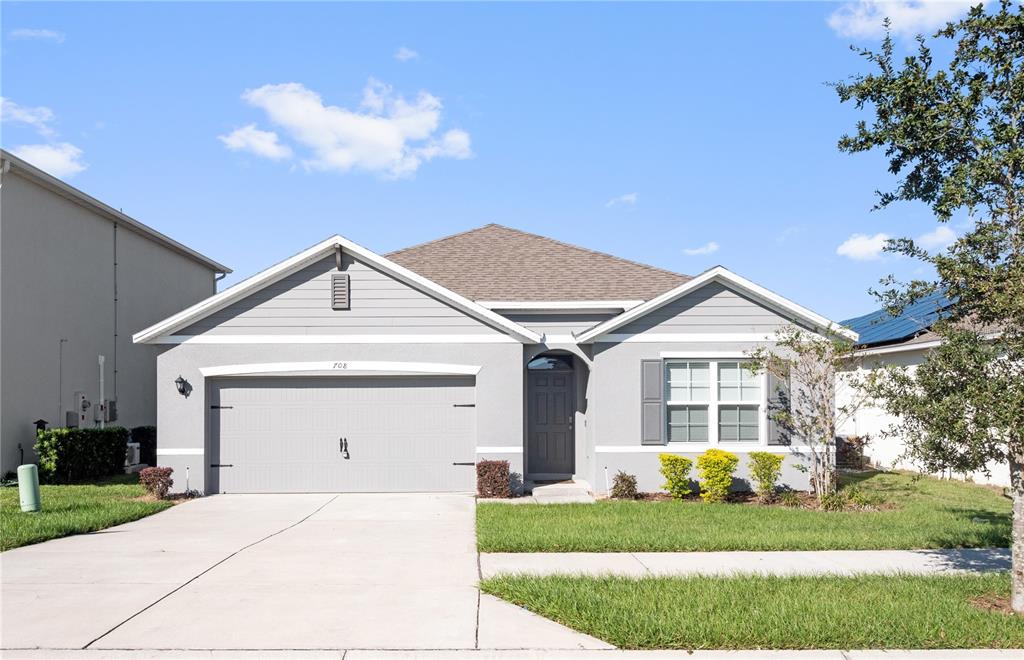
x: 74, y: 509
x: 925, y: 513
x: 825, y: 612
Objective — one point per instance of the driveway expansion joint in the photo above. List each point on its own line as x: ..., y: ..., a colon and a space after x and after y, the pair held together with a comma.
x: 210, y: 568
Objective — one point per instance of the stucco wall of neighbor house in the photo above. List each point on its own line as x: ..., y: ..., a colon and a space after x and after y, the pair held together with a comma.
x: 872, y: 421
x: 183, y: 421
x: 57, y: 263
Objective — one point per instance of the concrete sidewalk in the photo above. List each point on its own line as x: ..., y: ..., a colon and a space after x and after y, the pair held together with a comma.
x: 825, y: 562
x: 978, y: 654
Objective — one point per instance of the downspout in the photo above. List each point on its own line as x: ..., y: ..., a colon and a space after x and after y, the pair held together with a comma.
x: 115, y: 316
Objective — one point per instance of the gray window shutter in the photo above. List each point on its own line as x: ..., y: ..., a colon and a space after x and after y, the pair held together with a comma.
x: 778, y: 400
x: 652, y: 402
x: 339, y: 291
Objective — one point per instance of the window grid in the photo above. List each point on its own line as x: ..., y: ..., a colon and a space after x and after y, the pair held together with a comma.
x: 713, y: 402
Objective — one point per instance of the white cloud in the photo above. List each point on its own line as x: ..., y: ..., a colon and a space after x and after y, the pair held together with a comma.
x: 45, y: 35
x: 938, y: 239
x: 386, y: 133
x: 863, y: 18
x: 60, y: 160
x: 708, y: 248
x: 628, y: 198
x: 404, y: 54
x: 262, y: 143
x: 861, y: 247
x: 38, y: 117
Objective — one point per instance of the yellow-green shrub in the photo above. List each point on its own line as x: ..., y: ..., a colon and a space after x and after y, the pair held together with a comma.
x: 676, y: 470
x: 715, y: 468
x: 765, y: 469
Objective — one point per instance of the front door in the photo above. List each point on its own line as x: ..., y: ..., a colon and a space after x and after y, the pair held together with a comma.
x: 550, y: 411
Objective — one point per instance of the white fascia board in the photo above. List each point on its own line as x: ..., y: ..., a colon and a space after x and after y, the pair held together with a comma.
x: 234, y: 293
x: 340, y: 367
x: 274, y: 273
x: 569, y: 306
x: 334, y: 339
x: 727, y: 277
x: 419, y: 282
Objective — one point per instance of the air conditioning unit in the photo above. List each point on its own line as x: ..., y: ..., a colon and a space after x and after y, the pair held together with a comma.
x: 132, y: 458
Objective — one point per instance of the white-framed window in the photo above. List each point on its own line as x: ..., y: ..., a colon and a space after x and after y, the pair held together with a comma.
x: 714, y: 402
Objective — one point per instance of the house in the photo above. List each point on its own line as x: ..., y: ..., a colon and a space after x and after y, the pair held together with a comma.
x: 903, y: 340
x: 340, y: 369
x: 77, y: 277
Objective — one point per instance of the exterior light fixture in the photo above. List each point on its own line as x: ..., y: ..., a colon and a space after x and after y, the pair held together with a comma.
x: 184, y: 387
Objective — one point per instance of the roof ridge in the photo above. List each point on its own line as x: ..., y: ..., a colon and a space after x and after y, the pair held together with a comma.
x: 550, y: 240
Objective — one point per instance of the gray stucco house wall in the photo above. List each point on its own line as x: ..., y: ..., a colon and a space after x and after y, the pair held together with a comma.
x: 58, y: 273
x: 325, y: 369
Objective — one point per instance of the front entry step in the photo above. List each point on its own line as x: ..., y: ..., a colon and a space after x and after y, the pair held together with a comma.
x: 575, y: 491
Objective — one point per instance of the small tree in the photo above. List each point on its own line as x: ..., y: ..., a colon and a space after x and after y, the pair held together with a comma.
x: 955, y: 136
x: 806, y: 409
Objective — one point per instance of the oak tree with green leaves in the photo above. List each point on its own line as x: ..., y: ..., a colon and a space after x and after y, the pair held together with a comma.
x: 953, y: 134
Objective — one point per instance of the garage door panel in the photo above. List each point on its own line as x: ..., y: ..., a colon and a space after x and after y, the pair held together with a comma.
x: 403, y: 433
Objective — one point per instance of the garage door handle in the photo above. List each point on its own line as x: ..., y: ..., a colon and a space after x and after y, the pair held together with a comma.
x: 470, y: 463
x: 343, y: 447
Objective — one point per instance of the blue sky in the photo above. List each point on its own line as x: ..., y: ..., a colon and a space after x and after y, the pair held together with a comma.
x: 682, y: 135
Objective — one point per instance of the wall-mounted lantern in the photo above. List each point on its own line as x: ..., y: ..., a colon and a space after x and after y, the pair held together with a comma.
x: 184, y: 387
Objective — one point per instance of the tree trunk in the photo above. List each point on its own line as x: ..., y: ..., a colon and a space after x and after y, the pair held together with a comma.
x: 1017, y: 535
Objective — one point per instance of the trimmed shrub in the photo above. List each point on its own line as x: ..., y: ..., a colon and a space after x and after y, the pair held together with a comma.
x: 624, y: 486
x: 146, y: 437
x: 156, y: 480
x: 493, y: 479
x: 715, y: 468
x: 676, y: 470
x: 68, y: 455
x: 765, y: 469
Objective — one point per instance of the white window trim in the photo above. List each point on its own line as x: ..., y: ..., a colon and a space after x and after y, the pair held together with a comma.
x: 713, y: 404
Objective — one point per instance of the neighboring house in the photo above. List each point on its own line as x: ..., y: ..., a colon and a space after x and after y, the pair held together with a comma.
x: 78, y: 278
x: 904, y: 340
x: 343, y: 370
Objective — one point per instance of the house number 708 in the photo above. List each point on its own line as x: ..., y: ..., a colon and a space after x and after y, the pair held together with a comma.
x: 340, y: 365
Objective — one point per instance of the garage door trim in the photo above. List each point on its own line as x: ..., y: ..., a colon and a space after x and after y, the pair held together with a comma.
x: 341, y: 366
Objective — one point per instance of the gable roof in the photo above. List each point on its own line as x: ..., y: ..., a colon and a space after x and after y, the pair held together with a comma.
x: 58, y: 187
x: 497, y: 263
x: 264, y: 278
x: 723, y: 276
x: 880, y: 327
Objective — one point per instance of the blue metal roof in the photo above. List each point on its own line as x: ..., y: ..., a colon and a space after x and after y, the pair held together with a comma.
x: 880, y: 327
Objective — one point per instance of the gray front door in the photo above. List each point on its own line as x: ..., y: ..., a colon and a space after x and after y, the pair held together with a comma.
x: 550, y: 415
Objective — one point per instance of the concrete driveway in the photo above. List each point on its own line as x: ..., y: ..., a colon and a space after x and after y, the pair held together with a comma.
x: 269, y: 572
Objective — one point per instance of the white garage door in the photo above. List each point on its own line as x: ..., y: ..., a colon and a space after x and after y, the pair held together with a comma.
x: 349, y: 434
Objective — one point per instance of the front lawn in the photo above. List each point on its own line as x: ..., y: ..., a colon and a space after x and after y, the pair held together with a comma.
x: 73, y: 509
x: 915, y: 513
x: 755, y: 612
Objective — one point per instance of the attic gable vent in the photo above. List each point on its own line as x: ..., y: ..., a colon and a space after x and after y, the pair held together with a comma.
x: 339, y: 291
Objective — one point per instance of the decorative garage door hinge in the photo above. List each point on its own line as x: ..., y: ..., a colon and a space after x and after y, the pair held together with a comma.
x: 221, y: 407
x: 220, y: 465
x: 463, y: 405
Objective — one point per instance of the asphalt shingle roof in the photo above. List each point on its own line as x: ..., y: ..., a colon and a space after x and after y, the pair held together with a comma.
x: 494, y: 262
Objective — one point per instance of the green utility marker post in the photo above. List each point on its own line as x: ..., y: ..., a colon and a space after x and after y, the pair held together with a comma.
x: 28, y: 488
